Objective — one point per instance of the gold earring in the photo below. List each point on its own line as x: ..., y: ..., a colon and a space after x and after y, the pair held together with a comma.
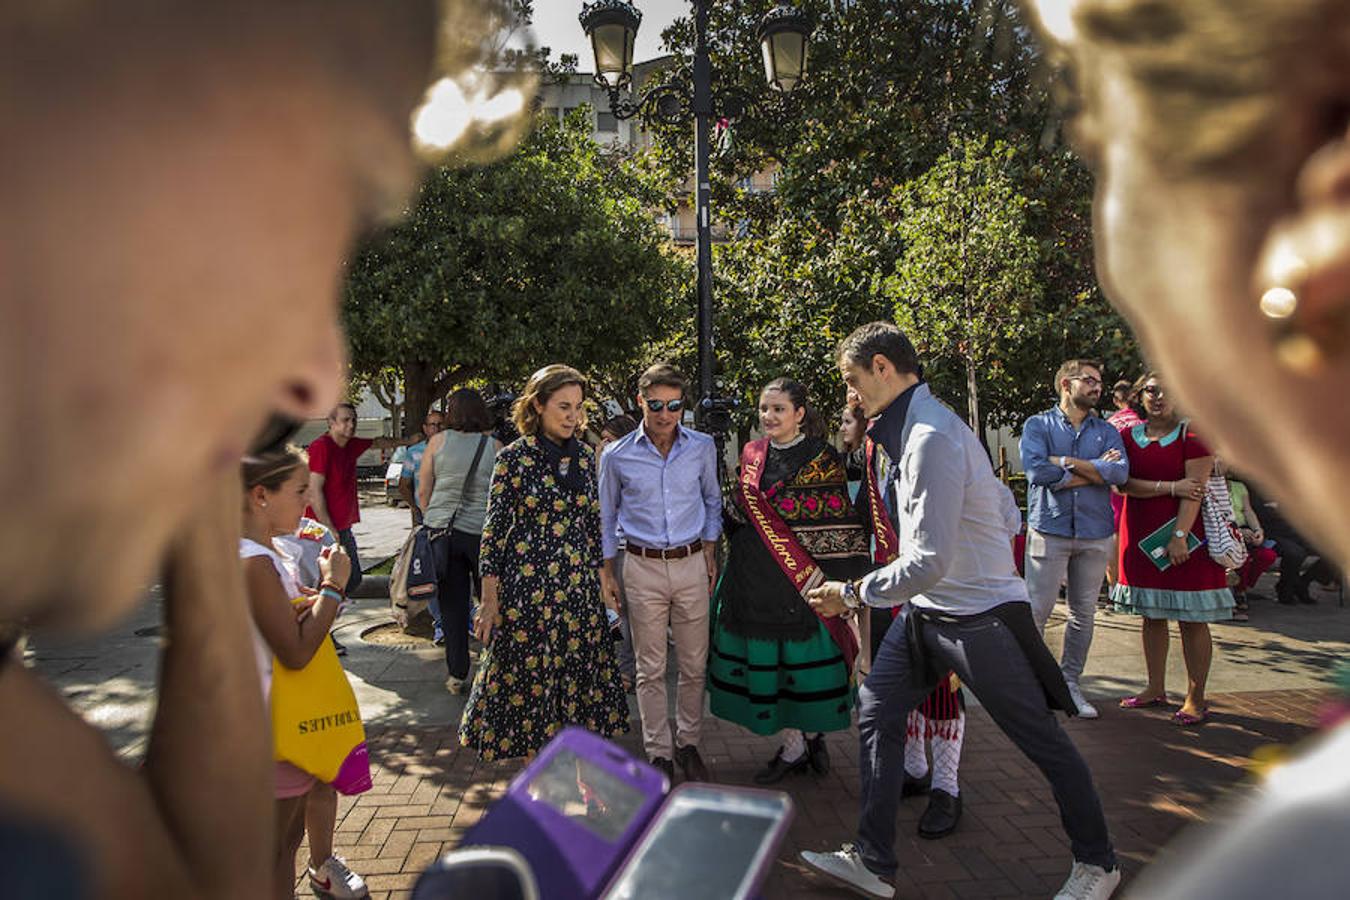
x: 1279, y: 303
x: 1301, y: 345
x: 1295, y: 350
x: 1304, y: 344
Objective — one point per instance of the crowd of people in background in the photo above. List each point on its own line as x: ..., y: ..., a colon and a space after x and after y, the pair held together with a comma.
x: 591, y: 565
x: 1222, y: 203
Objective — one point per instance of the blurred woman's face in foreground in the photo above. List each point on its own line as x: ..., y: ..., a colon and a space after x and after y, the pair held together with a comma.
x: 178, y: 203
x: 1222, y: 218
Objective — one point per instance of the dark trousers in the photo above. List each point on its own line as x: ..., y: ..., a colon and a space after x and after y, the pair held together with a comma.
x: 456, y: 568
x: 1294, y: 580
x: 348, y: 542
x: 990, y: 662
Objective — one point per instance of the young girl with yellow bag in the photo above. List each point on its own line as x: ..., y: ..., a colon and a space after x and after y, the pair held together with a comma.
x: 302, y: 680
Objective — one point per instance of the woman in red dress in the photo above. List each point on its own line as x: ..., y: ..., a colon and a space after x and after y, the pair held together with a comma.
x: 1168, y: 578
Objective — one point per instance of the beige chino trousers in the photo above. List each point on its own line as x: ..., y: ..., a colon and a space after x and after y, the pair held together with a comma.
x: 674, y: 593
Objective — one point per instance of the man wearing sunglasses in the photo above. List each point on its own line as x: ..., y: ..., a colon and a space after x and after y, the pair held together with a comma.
x: 659, y: 490
x: 1071, y: 457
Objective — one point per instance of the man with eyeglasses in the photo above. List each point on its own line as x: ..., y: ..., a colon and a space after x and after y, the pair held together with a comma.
x: 1071, y: 457
x: 412, y: 461
x: 659, y: 491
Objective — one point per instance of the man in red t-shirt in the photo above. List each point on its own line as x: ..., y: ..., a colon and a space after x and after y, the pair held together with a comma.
x: 332, y: 478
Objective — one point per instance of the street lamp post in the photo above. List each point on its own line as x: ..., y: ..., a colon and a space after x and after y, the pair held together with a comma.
x: 784, y: 35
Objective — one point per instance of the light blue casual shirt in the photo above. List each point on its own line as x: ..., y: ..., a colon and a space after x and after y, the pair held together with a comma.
x: 412, y: 462
x: 1053, y: 507
x: 659, y: 501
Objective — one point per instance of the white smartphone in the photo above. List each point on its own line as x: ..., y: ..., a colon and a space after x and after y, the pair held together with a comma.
x: 706, y: 841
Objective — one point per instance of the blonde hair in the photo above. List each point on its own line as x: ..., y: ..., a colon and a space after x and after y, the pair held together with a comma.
x: 541, y: 386
x: 273, y: 468
x: 1210, y: 77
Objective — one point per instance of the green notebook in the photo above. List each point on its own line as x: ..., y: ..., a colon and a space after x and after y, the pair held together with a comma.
x: 1155, y: 545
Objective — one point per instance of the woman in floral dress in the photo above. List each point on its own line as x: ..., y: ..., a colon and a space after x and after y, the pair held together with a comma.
x: 549, y: 662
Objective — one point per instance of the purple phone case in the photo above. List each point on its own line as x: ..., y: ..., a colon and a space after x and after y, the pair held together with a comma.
x: 569, y: 859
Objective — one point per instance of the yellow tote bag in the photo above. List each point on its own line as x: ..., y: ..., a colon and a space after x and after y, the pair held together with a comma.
x: 316, y: 724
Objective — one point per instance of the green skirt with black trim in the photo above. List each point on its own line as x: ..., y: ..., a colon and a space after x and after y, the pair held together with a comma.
x: 767, y: 686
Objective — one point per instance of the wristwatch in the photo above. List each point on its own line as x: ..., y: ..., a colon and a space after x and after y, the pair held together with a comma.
x: 850, y: 595
x: 1179, y: 533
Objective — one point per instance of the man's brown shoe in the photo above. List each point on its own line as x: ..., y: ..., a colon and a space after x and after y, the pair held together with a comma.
x: 692, y: 764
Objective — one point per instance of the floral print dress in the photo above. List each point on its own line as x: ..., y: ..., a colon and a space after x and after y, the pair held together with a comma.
x: 551, y: 663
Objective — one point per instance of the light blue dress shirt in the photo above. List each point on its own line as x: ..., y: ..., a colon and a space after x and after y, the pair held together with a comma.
x: 659, y: 501
x: 1053, y: 507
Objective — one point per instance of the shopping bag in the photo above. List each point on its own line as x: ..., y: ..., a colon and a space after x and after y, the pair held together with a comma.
x: 412, y: 583
x: 316, y: 724
x: 1226, y: 546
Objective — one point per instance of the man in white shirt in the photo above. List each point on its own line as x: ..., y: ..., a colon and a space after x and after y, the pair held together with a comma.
x: 965, y: 611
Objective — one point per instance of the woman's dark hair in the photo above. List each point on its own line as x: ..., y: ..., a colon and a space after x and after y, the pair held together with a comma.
x: 856, y: 411
x: 619, y: 425
x: 812, y: 424
x: 466, y: 410
x: 1137, y: 393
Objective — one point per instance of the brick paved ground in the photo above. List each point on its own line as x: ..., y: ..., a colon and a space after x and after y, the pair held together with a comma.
x: 1155, y: 778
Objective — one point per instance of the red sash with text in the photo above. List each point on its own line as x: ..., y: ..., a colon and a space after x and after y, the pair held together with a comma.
x: 798, y: 565
x: 886, y: 540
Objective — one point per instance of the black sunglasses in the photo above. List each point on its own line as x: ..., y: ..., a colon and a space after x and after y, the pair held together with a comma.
x: 1154, y: 391
x: 672, y: 405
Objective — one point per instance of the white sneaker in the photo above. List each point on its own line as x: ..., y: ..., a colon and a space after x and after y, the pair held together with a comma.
x: 846, y: 866
x: 1085, y: 709
x: 1089, y: 882
x: 334, y: 879
x: 454, y: 685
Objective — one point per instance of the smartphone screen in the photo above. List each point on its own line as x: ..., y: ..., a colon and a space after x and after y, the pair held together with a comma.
x: 706, y: 841
x: 586, y: 794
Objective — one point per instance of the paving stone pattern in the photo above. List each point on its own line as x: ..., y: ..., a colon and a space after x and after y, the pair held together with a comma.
x: 1155, y: 778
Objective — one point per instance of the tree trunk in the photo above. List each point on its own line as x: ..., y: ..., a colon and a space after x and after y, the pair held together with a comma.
x: 386, y: 394
x: 419, y: 391
x: 973, y: 403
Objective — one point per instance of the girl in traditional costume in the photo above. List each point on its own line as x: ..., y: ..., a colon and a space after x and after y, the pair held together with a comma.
x: 775, y: 666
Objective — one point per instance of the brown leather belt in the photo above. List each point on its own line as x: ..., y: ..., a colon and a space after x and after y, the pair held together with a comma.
x: 672, y: 553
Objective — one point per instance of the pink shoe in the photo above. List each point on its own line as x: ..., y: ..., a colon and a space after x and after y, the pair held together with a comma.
x: 1136, y: 703
x: 1185, y: 718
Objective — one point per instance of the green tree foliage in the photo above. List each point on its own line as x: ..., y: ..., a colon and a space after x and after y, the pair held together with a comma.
x: 550, y: 255
x: 965, y: 284
x: 932, y: 110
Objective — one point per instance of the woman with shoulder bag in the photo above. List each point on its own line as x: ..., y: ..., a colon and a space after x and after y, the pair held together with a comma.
x: 1164, y: 574
x: 452, y: 488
